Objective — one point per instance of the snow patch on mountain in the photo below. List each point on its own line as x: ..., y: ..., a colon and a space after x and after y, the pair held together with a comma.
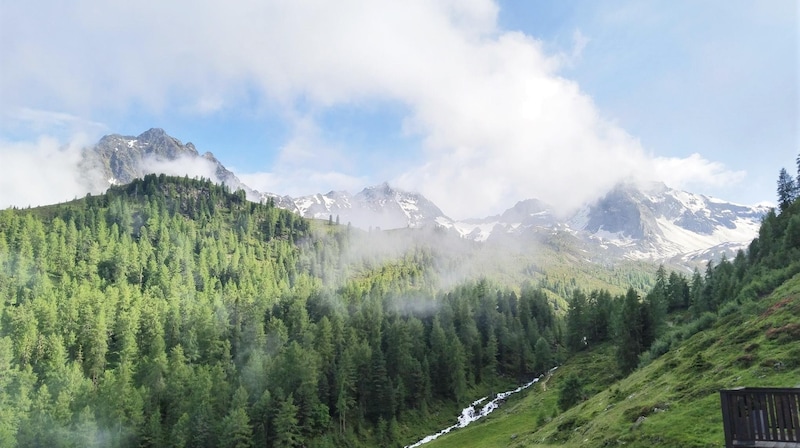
x: 377, y: 206
x: 476, y: 231
x: 662, y: 222
x: 636, y: 221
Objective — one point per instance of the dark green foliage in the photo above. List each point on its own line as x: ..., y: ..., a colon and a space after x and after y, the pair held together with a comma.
x: 543, y: 356
x: 787, y: 190
x: 285, y: 425
x: 600, y: 312
x: 633, y: 331
x: 678, y: 291
x: 771, y: 259
x: 172, y: 312
x: 798, y: 169
x: 570, y: 392
x: 577, y: 321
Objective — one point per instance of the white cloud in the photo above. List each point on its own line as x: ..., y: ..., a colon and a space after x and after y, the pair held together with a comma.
x: 302, y: 182
x: 497, y: 121
x: 694, y: 171
x: 307, y: 164
x: 42, y: 172
x: 182, y: 166
x: 45, y: 122
x: 580, y: 41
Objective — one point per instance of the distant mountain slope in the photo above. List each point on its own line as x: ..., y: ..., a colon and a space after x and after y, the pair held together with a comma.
x: 125, y: 158
x: 379, y: 206
x: 650, y: 223
x: 119, y: 159
x: 655, y: 222
x: 660, y: 222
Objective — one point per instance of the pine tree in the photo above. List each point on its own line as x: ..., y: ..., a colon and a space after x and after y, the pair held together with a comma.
x: 787, y: 190
x: 678, y: 290
x: 380, y: 402
x: 657, y: 303
x: 544, y: 356
x: 285, y: 425
x: 792, y: 235
x: 456, y: 359
x: 798, y: 170
x: 570, y: 392
x: 629, y: 331
x: 10, y: 414
x: 577, y: 321
x: 235, y: 431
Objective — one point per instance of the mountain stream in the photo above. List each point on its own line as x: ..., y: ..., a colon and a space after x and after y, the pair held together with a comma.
x: 471, y: 413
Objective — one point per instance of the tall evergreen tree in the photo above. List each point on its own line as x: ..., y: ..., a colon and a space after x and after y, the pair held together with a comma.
x: 787, y: 190
x: 630, y: 331
x: 798, y: 170
x: 543, y: 356
x: 577, y: 321
x: 286, y: 431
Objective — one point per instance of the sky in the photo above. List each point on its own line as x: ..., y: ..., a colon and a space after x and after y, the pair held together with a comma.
x: 476, y: 104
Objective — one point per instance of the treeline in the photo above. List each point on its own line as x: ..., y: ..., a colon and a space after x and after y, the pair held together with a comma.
x: 173, y: 312
x: 638, y: 326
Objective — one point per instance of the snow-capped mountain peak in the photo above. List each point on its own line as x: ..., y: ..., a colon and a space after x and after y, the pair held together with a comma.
x: 637, y: 221
x: 377, y: 206
x: 640, y: 222
x: 663, y: 222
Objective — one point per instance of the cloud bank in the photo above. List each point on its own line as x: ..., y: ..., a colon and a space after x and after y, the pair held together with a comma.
x: 496, y: 120
x: 41, y: 172
x: 182, y: 166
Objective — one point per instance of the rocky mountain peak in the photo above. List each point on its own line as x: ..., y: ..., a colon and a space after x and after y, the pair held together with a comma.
x: 153, y: 134
x: 529, y: 211
x: 382, y: 190
x: 118, y: 159
x: 638, y: 220
x: 621, y: 212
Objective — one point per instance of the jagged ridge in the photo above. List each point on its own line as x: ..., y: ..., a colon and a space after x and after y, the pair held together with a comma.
x: 650, y: 222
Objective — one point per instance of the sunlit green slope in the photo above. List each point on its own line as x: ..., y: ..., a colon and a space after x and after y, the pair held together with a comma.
x: 673, y: 401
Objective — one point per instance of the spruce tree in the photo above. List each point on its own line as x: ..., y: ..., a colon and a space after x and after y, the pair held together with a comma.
x: 629, y: 329
x: 285, y: 425
x: 577, y: 321
x: 787, y: 190
x: 570, y: 392
x: 798, y: 171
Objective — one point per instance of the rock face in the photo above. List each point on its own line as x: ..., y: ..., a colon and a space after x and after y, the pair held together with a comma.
x: 621, y: 212
x: 634, y: 221
x: 119, y: 159
x: 124, y: 158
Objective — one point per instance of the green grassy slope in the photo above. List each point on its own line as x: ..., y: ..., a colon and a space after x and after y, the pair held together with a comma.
x: 671, y: 402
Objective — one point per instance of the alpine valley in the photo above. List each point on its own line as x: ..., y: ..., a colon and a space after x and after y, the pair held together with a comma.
x: 175, y: 306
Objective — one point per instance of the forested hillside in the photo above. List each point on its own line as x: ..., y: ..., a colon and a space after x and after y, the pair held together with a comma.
x: 173, y: 312
x: 646, y: 371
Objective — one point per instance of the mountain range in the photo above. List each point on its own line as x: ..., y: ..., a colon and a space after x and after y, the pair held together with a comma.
x: 651, y: 222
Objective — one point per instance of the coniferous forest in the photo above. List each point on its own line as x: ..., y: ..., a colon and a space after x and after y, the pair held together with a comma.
x: 174, y: 312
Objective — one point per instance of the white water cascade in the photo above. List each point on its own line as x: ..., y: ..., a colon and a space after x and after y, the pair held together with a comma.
x: 469, y: 413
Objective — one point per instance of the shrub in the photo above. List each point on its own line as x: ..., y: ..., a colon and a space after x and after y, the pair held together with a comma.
x: 570, y: 393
